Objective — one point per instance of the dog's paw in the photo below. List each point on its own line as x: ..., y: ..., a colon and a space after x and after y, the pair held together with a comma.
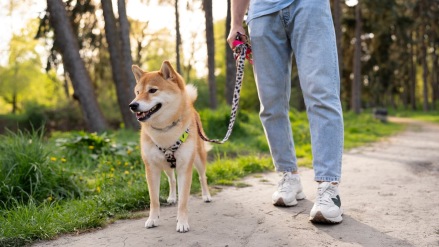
x: 207, y: 198
x: 171, y: 200
x: 152, y: 222
x: 182, y: 226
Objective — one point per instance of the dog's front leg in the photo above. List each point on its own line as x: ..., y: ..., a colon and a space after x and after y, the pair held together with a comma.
x: 184, y: 180
x: 153, y: 179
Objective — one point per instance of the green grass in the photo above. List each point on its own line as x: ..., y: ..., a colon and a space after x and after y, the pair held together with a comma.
x: 364, y: 129
x: 432, y: 116
x: 74, y: 181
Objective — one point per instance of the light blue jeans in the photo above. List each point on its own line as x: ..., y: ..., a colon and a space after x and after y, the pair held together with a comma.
x: 305, y: 29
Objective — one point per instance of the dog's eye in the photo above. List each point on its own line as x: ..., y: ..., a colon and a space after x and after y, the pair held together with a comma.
x: 152, y: 90
x: 137, y: 92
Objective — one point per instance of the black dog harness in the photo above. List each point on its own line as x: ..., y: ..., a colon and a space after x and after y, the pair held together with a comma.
x: 170, y: 151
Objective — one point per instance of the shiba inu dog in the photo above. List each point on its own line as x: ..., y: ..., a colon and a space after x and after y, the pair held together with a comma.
x: 169, y: 138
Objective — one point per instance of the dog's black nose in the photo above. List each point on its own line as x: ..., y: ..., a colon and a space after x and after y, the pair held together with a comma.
x: 134, y: 106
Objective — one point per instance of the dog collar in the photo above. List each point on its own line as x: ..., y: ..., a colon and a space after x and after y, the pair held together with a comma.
x: 173, y: 124
x: 170, y: 151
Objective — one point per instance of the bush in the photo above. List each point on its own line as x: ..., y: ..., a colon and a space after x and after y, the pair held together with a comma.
x: 27, y: 174
x: 63, y: 118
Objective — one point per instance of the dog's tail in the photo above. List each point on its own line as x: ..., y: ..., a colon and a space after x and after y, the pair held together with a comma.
x: 201, y: 131
x: 192, y: 92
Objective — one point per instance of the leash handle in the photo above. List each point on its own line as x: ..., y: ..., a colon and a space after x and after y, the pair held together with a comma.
x: 240, y: 53
x: 239, y: 40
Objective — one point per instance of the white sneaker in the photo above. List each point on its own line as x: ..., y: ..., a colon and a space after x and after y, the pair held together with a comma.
x: 327, y: 208
x: 288, y: 191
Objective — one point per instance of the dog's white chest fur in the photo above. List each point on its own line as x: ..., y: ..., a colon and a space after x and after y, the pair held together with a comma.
x: 157, y: 158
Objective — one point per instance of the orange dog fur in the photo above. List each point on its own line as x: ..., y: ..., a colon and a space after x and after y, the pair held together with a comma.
x: 164, y: 108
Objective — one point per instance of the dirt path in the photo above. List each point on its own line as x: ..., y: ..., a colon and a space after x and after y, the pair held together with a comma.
x: 390, y: 195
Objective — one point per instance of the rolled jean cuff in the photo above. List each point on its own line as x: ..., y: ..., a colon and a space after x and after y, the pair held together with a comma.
x: 285, y: 169
x: 327, y: 179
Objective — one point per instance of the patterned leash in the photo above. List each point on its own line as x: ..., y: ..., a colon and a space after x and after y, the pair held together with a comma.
x: 241, y: 51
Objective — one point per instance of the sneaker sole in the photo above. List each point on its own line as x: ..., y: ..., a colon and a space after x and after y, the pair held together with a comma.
x: 319, y: 218
x: 280, y: 202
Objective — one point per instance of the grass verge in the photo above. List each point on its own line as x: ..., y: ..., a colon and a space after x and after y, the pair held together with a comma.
x: 432, y: 116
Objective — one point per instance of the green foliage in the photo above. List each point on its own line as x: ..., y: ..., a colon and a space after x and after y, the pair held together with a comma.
x: 26, y: 173
x: 226, y: 172
x: 25, y: 223
x: 82, y: 141
x: 64, y: 117
x: 363, y: 129
x: 432, y: 116
x: 22, y: 79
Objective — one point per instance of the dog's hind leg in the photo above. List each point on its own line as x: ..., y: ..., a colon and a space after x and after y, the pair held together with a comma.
x: 172, y: 198
x: 200, y: 165
x: 153, y: 179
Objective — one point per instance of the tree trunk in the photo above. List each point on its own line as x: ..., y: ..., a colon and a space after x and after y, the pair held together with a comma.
x: 127, y: 62
x: 119, y: 74
x: 356, y: 83
x: 14, y: 91
x: 210, y: 40
x: 178, y: 37
x: 412, y: 73
x: 126, y: 45
x: 425, y: 72
x: 434, y: 75
x: 230, y: 61
x: 67, y: 43
x: 14, y: 102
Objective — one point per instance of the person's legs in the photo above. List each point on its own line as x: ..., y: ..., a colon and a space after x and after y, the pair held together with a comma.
x: 313, y: 41
x: 272, y: 58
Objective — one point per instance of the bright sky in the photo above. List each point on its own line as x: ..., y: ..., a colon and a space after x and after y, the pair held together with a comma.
x: 159, y: 16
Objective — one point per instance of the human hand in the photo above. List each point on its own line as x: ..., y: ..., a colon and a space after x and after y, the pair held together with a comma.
x: 233, y: 34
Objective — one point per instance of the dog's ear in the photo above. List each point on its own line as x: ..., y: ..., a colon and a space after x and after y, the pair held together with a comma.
x: 138, y: 72
x: 167, y: 71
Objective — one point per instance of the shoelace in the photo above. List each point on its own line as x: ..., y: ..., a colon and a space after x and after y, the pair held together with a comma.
x: 285, y: 183
x: 325, y: 194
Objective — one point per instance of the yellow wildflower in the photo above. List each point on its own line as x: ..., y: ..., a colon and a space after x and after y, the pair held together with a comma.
x: 126, y: 172
x: 53, y: 158
x: 129, y: 151
x: 91, y: 147
x: 98, y: 189
x: 63, y: 160
x: 49, y: 199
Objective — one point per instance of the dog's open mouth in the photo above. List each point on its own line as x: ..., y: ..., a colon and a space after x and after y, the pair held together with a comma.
x: 142, y: 116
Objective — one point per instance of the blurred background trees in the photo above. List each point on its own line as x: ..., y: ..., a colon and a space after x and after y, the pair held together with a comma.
x: 76, y: 57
